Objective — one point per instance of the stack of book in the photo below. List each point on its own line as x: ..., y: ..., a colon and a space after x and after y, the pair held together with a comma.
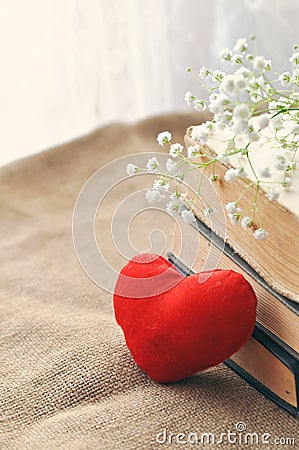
x: 270, y: 359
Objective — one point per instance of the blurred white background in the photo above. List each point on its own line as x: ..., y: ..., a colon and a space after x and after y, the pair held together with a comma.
x: 69, y: 66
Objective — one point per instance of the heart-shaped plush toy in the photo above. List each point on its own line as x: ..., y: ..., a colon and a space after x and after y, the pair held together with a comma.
x: 175, y: 326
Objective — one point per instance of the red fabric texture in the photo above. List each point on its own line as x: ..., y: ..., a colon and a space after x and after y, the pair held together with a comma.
x: 192, y: 324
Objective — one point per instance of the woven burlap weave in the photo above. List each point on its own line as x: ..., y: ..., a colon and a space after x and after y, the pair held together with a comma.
x: 67, y: 378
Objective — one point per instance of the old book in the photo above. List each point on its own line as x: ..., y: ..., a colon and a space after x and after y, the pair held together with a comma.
x: 266, y: 362
x: 199, y: 248
x: 275, y: 259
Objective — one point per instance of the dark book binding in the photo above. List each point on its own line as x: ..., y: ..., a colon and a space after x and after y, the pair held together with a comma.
x: 273, y: 344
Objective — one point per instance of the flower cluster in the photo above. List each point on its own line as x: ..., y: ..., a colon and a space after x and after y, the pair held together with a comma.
x: 252, y: 105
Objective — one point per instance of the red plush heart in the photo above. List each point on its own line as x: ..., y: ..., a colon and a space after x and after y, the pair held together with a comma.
x: 175, y: 326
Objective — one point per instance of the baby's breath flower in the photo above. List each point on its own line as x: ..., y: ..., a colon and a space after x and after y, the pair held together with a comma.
x: 152, y: 164
x: 131, y: 169
x: 199, y: 105
x: 240, y: 126
x: 234, y: 218
x: 272, y: 194
x: 172, y: 167
x: 294, y: 58
x: 260, y: 234
x: 203, y: 72
x: 228, y: 85
x: 263, y: 120
x: 231, y: 175
x: 201, y: 133
x: 188, y: 217
x: 265, y: 172
x: 287, y: 182
x: 285, y: 78
x: 192, y: 150
x: 189, y: 97
x: 223, y: 158
x: 236, y: 59
x: 176, y: 150
x: 277, y: 122
x: 259, y: 63
x: 164, y: 138
x: 243, y: 72
x: 154, y: 195
x: 240, y: 46
x: 213, y: 178
x: 218, y: 75
x: 241, y: 172
x: 209, y: 211
x: 253, y: 136
x: 249, y: 57
x: 225, y: 54
x: 241, y: 112
x: 280, y: 162
x: 232, y: 208
x: 161, y: 185
x: 246, y: 222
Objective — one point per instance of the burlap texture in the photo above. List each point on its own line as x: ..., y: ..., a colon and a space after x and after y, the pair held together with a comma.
x: 67, y: 378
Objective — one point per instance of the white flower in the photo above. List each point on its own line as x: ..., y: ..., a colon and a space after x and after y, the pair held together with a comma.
x: 242, y: 72
x: 253, y: 136
x: 153, y: 196
x: 188, y: 216
x: 203, y: 72
x: 233, y: 218
x: 265, y: 172
x: 193, y: 150
x: 225, y: 54
x: 223, y: 158
x: 160, y: 185
x: 241, y: 112
x: 152, y: 164
x: 209, y: 211
x: 172, y: 167
x: 240, y: 127
x: 241, y: 172
x: 246, y: 222
x: 131, y: 169
x: 164, y: 138
x: 171, y: 208
x: 295, y: 129
x: 236, y: 59
x: 259, y: 63
x: 240, y: 46
x: 294, y: 58
x: 272, y: 194
x: 277, y: 122
x: 285, y: 78
x: 280, y: 162
x: 286, y: 182
x: 175, y: 198
x: 231, y: 175
x: 240, y: 82
x: 228, y: 85
x: 201, y: 132
x: 232, y: 208
x: 260, y: 234
x: 176, y: 150
x: 218, y: 75
x: 199, y: 105
x: 263, y: 120
x: 189, y: 97
x: 217, y: 101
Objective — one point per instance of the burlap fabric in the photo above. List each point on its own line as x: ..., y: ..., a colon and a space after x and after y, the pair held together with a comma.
x: 67, y: 378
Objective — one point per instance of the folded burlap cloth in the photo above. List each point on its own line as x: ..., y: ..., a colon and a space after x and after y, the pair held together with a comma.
x: 67, y: 378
